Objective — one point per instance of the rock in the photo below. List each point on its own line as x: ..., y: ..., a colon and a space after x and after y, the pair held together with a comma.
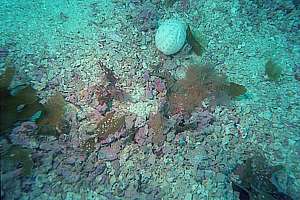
x: 107, y: 154
x: 47, y: 162
x: 69, y: 176
x: 55, y: 147
x: 203, y: 174
x: 141, y: 135
x: 129, y: 121
x: 170, y: 36
x: 100, y: 169
x: 188, y: 196
x: 73, y: 196
x: 171, y: 136
x: 71, y: 160
x: 115, y: 37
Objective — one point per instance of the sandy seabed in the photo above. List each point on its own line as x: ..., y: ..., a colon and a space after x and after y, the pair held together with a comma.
x: 70, y: 47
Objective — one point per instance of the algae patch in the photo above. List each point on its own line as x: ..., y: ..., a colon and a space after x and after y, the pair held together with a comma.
x: 25, y: 103
x: 18, y: 107
x: 200, y: 82
x: 273, y: 70
x: 195, y: 41
x: 256, y: 180
x: 19, y: 155
x: 53, y: 111
x: 234, y: 89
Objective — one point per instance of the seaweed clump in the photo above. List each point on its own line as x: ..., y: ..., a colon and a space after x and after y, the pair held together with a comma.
x: 51, y: 123
x: 18, y: 107
x: 25, y: 104
x: 170, y: 3
x: 194, y: 42
x: 272, y: 70
x: 19, y: 155
x: 256, y: 180
x: 106, y: 94
x: 199, y: 83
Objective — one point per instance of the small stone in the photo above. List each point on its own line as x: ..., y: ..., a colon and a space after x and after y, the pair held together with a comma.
x: 100, y: 169
x: 226, y: 139
x: 129, y: 121
x: 70, y: 160
x: 39, y: 86
x: 188, y: 196
x: 108, y: 154
x: 115, y: 37
x: 202, y: 175
x: 182, y: 141
x: 171, y: 136
x: 265, y: 115
x: 143, y: 47
x: 141, y: 135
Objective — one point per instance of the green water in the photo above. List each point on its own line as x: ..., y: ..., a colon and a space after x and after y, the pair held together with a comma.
x: 94, y: 105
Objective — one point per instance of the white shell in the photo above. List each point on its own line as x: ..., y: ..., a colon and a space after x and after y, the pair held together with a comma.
x: 170, y: 36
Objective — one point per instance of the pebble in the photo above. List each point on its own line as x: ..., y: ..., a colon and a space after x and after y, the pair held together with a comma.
x: 266, y: 115
x: 171, y: 136
x: 115, y: 37
x: 202, y: 175
x: 188, y: 196
x: 107, y: 154
x: 143, y: 47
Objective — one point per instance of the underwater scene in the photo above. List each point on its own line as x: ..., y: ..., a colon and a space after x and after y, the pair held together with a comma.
x: 150, y: 99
